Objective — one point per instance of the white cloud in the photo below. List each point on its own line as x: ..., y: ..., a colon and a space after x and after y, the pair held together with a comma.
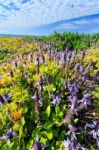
x: 82, y: 22
x: 39, y: 12
x: 67, y: 26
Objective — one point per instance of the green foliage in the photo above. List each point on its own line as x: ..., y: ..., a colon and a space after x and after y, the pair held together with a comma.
x: 3, y: 53
x: 72, y: 40
x: 27, y: 39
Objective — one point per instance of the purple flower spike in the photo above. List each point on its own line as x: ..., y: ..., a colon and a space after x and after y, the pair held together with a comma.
x: 38, y: 64
x: 95, y: 129
x: 56, y: 99
x: 67, y: 49
x: 73, y: 88
x: 76, y: 67
x: 72, y: 145
x: 37, y: 144
x: 41, y: 83
x: 66, y: 144
x: 7, y: 98
x: 74, y: 101
x: 37, y: 97
x: 48, y: 79
x: 83, y: 54
x: 69, y: 55
x: 31, y: 56
x: 72, y: 128
x: 72, y: 131
x: 48, y: 46
x: 9, y: 135
x: 86, y: 99
x: 43, y: 58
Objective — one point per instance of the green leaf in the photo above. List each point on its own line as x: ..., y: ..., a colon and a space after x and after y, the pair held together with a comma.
x: 43, y: 140
x: 48, y: 125
x: 50, y: 135
x: 20, y: 132
x: 48, y: 111
x: 57, y: 110
x: 23, y: 121
x: 92, y: 148
x: 61, y: 114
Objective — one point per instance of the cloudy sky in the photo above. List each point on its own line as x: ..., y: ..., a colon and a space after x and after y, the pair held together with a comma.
x: 45, y: 16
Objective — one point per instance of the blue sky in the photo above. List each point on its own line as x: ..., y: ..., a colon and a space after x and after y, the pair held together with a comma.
x: 42, y: 17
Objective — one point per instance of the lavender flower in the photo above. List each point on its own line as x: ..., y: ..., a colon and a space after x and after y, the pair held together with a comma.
x: 7, y: 98
x: 52, y: 55
x: 76, y: 67
x: 48, y: 79
x: 84, y: 79
x: 37, y: 97
x: 48, y: 46
x: 72, y: 131
x: 95, y: 129
x: 67, y: 144
x: 69, y: 55
x: 66, y: 49
x: 63, y: 59
x: 74, y: 56
x: 37, y: 144
x: 37, y: 63
x: 8, y: 136
x: 81, y: 67
x: 74, y: 101
x: 43, y: 58
x: 56, y: 99
x: 68, y: 59
x: 31, y: 56
x: 72, y: 145
x: 73, y: 88
x: 83, y: 54
x: 86, y: 100
x: 41, y: 83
